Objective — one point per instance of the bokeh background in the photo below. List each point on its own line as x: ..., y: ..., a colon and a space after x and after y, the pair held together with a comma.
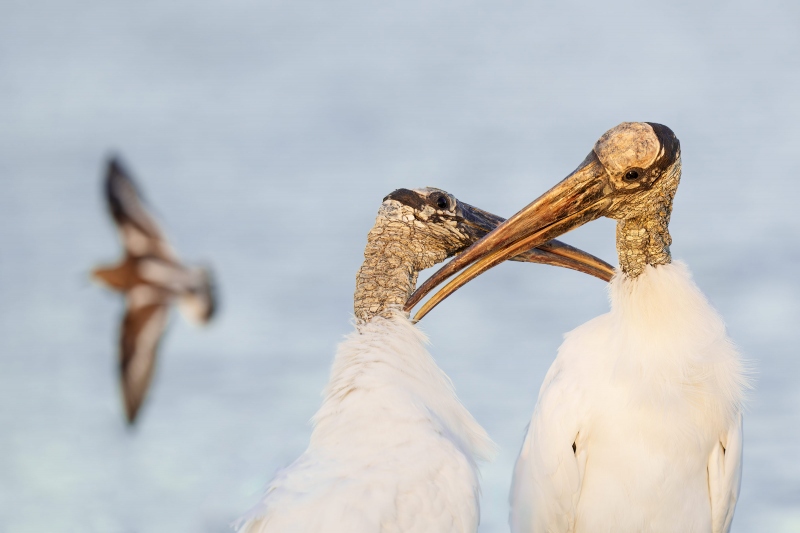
x: 266, y: 133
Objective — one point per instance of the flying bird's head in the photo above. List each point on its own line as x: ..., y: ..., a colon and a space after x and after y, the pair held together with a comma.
x: 417, y: 229
x: 631, y: 175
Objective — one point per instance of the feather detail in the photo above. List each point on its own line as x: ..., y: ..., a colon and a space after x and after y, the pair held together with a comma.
x: 392, y: 447
x: 649, y: 394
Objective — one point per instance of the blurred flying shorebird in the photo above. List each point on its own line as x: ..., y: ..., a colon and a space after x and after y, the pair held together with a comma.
x: 638, y: 425
x: 151, y: 277
x: 392, y: 448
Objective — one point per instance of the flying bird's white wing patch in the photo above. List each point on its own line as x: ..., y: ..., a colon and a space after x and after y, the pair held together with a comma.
x: 165, y: 274
x: 724, y: 477
x: 195, y: 286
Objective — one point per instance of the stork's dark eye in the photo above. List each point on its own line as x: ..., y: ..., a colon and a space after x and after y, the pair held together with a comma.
x: 632, y: 175
x: 441, y: 202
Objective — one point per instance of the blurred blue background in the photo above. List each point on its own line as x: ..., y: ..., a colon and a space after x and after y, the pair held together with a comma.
x: 266, y: 133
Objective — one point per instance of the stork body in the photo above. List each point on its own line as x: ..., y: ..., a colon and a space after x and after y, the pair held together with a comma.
x: 638, y: 425
x: 649, y: 395
x: 392, y: 449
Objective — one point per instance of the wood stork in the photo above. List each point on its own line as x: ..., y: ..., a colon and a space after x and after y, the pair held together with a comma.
x: 392, y: 448
x: 638, y: 425
x: 151, y: 278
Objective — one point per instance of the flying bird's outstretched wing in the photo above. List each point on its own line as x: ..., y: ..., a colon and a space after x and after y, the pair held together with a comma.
x: 142, y: 329
x: 725, y: 477
x: 138, y: 229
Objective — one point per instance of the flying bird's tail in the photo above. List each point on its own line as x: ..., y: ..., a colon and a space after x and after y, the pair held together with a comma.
x: 199, y: 302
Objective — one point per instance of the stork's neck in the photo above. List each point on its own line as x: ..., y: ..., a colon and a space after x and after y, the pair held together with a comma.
x: 643, y: 226
x: 396, y: 251
x: 643, y: 241
x: 382, y: 284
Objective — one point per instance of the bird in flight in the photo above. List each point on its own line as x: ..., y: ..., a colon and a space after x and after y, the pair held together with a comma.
x: 151, y: 277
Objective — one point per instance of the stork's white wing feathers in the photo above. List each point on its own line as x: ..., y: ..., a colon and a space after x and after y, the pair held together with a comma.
x: 641, y: 390
x: 725, y: 476
x: 548, y: 474
x: 392, y: 451
x: 322, y: 495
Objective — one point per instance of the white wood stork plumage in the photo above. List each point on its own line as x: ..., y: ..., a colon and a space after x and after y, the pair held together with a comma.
x: 638, y: 425
x: 392, y: 449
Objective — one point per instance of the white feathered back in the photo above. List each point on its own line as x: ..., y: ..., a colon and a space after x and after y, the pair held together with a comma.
x: 392, y: 448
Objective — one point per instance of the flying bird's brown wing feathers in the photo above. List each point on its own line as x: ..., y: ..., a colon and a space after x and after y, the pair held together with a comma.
x: 142, y: 329
x: 139, y: 231
x: 151, y: 277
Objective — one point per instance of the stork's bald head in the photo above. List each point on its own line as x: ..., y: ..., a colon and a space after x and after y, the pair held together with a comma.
x: 418, y: 228
x: 631, y: 175
x: 436, y: 223
x: 638, y: 157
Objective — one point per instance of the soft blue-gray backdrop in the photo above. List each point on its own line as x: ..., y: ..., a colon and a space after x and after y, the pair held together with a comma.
x: 265, y: 134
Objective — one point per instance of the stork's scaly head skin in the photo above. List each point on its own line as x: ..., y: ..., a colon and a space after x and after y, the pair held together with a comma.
x: 417, y: 229
x: 414, y: 230
x: 643, y: 165
x: 631, y: 175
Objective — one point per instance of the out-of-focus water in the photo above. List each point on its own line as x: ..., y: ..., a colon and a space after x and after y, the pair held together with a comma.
x: 265, y: 134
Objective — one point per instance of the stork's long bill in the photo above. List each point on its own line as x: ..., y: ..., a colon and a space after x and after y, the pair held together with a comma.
x: 625, y: 163
x: 554, y: 252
